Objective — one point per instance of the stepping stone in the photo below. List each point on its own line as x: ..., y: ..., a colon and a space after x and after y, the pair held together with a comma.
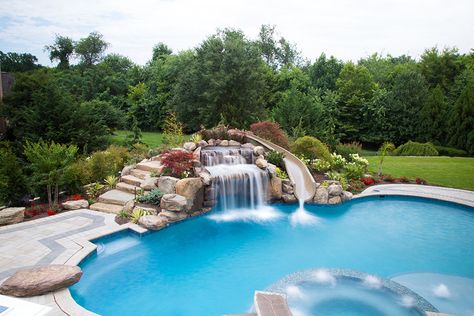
x: 106, y: 208
x: 116, y: 197
x: 132, y: 180
x: 271, y: 304
x: 140, y: 174
x: 122, y: 186
x: 152, y: 166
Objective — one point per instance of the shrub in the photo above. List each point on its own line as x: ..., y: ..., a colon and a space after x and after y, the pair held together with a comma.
x: 356, y: 186
x: 107, y: 162
x: 368, y: 180
x: 450, y: 151
x: 403, y: 180
x: 270, y: 131
x: 281, y: 173
x: 320, y: 165
x: 137, y: 213
x: 12, y: 181
x: 388, y: 178
x: 385, y: 148
x: 332, y: 175
x: 416, y: 149
x: 94, y: 190
x: 337, y: 162
x: 138, y: 152
x: 275, y: 157
x: 177, y: 162
x: 312, y: 148
x: 420, y: 181
x: 349, y: 148
x: 218, y: 132
x: 154, y: 197
x: 111, y: 181
x: 353, y: 170
x: 172, y: 131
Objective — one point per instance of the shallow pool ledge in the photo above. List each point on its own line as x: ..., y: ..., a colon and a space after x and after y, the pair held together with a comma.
x: 63, y: 297
x: 463, y: 197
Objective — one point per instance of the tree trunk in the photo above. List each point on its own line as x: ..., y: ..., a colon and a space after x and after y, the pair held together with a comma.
x: 56, y: 194
x: 48, y: 188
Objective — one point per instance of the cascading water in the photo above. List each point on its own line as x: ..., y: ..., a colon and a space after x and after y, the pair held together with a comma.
x: 301, y: 216
x: 239, y: 186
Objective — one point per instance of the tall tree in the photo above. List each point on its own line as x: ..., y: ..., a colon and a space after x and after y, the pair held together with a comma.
x: 161, y: 51
x: 61, y: 50
x: 14, y: 62
x: 90, y: 49
x: 433, y: 117
x: 441, y: 68
x: 324, y: 72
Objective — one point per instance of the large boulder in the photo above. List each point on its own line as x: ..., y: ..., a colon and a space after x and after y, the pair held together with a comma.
x: 272, y: 169
x: 197, y: 154
x: 189, y: 146
x: 224, y: 143
x: 167, y: 185
x: 128, y: 207
x: 173, y: 202
x: 258, y: 150
x: 75, y: 205
x: 40, y: 280
x: 205, y: 177
x: 12, y: 215
x: 321, y: 196
x: 193, y: 190
x: 211, y: 142
x: 334, y: 189
x: 346, y: 196
x: 287, y: 187
x: 153, y: 222
x: 334, y: 200
x: 173, y: 216
x: 149, y: 183
x: 248, y: 145
x: 261, y: 163
x: 276, y: 188
x: 289, y: 198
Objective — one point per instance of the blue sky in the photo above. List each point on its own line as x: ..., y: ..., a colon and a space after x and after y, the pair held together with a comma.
x: 348, y: 29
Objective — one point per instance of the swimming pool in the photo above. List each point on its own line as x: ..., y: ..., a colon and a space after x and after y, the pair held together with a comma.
x: 212, y: 264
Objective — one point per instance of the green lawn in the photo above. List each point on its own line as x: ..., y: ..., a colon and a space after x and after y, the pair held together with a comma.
x: 152, y: 139
x: 456, y: 172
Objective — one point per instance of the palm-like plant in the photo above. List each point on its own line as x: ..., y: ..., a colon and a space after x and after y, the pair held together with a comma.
x: 386, y: 148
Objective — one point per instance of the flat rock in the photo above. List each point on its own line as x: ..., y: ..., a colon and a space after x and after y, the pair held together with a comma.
x: 224, y: 143
x: 173, y: 216
x: 75, y: 205
x: 40, y: 280
x: 151, y: 166
x: 173, y: 202
x: 107, y: 208
x: 12, y: 215
x: 127, y: 170
x: 153, y: 222
x: 167, y: 184
x: 234, y: 143
x: 116, y: 197
x: 122, y: 186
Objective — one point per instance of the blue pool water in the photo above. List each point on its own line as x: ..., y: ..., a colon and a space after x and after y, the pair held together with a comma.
x: 211, y: 265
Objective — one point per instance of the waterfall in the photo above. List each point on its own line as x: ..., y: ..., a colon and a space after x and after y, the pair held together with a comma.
x: 239, y: 186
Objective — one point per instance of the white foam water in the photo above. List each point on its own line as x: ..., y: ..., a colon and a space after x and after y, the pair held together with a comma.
x: 442, y: 291
x: 294, y: 292
x: 372, y: 282
x: 323, y: 276
x: 407, y: 301
x: 261, y: 214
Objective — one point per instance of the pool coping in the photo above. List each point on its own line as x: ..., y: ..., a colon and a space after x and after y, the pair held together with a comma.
x: 63, y: 297
x: 458, y: 196
x: 69, y: 306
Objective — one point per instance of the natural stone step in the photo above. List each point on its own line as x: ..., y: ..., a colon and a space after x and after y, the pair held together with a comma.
x: 140, y: 174
x: 152, y: 166
x: 122, y: 186
x: 106, y: 208
x: 116, y: 197
x: 132, y: 180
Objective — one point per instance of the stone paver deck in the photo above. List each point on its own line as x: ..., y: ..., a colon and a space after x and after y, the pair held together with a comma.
x: 464, y: 197
x: 59, y: 239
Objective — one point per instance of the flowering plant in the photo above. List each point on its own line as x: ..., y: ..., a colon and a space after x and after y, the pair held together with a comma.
x: 51, y: 212
x: 368, y: 180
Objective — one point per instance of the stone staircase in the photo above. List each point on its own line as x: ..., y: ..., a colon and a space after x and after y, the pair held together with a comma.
x: 113, y: 201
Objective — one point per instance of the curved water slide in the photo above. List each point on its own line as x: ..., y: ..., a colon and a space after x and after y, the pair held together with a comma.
x: 303, y: 181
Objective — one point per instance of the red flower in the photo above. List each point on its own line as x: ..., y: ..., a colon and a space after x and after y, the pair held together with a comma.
x: 368, y: 180
x: 51, y: 212
x: 76, y: 197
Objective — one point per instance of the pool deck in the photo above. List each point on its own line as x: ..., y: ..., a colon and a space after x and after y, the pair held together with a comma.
x: 59, y: 239
x: 463, y: 197
x: 65, y: 239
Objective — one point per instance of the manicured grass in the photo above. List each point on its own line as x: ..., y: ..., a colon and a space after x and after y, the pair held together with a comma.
x: 152, y: 139
x: 455, y: 172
